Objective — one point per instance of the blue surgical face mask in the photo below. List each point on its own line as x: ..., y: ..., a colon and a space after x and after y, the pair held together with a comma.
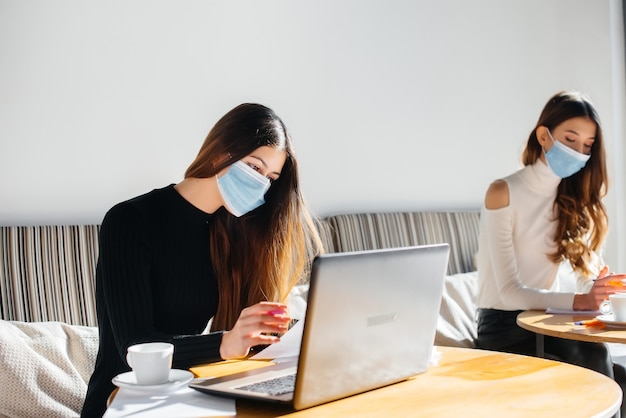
x: 563, y: 160
x: 242, y: 188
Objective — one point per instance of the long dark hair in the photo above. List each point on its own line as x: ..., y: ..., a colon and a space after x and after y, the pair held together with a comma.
x: 264, y: 253
x: 582, y: 218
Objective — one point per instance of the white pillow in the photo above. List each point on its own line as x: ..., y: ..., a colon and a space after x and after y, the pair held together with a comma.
x: 457, y: 324
x: 45, y: 368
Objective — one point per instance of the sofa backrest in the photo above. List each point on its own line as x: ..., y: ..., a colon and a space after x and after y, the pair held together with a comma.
x: 368, y: 231
x: 47, y: 273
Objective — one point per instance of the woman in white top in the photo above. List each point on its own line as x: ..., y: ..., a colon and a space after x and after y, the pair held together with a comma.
x: 542, y: 230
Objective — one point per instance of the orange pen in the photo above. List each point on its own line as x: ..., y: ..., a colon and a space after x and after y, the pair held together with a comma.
x: 588, y: 322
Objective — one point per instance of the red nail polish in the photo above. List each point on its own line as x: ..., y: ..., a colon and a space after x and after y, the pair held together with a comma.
x: 277, y: 312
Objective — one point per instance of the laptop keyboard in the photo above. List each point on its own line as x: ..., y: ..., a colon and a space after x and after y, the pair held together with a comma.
x: 273, y: 387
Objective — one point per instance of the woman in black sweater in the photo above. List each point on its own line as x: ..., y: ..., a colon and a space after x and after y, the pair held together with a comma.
x: 227, y: 243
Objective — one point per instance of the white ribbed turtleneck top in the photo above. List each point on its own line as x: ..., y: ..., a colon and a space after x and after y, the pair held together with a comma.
x: 514, y: 271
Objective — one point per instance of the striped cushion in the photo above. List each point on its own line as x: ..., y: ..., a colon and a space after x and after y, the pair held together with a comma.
x: 47, y: 273
x: 367, y: 231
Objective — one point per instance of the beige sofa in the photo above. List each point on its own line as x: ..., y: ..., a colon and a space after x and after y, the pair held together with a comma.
x: 48, y: 334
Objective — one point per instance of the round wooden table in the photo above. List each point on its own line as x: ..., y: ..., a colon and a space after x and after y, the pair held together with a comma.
x: 564, y: 326
x: 466, y: 382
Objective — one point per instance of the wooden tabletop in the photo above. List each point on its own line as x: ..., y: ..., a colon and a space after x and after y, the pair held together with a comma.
x: 563, y: 326
x: 466, y: 382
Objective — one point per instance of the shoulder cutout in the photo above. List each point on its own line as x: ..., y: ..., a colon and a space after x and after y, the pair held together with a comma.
x: 497, y: 195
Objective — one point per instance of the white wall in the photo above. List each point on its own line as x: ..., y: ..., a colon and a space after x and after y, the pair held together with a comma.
x: 394, y: 105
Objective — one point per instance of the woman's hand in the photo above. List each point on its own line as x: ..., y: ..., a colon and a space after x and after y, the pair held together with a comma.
x: 252, y: 327
x: 606, y: 284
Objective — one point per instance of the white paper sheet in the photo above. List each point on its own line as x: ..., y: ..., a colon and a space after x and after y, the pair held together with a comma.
x: 287, y: 347
x: 184, y: 402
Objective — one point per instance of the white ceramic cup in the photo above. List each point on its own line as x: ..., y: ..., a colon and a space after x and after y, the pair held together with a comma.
x: 151, y: 362
x: 615, y: 305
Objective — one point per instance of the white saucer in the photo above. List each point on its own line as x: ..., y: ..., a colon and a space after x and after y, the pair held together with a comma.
x: 177, y: 379
x: 610, y: 320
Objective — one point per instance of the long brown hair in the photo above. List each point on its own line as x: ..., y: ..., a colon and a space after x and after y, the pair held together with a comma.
x: 581, y: 215
x: 264, y: 253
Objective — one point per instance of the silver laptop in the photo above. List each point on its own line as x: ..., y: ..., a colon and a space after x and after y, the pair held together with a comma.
x: 370, y: 321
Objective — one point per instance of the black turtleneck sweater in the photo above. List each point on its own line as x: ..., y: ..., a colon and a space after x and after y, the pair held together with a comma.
x: 154, y: 282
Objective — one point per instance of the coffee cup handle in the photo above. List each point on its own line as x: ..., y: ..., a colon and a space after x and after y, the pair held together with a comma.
x: 128, y: 360
x: 605, y: 307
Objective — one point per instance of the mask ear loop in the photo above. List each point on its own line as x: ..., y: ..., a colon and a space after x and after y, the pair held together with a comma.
x: 542, y: 147
x: 550, y: 135
x: 551, y: 138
